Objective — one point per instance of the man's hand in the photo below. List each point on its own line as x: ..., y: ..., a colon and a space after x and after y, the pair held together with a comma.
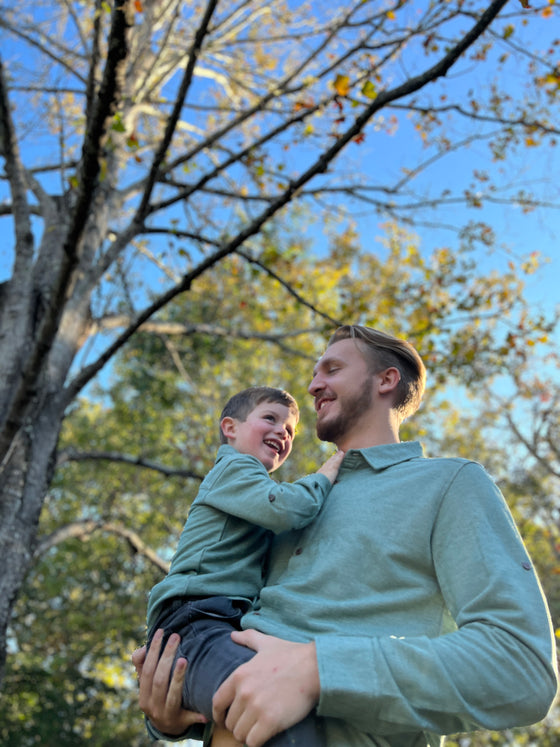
x: 159, y: 698
x: 270, y: 693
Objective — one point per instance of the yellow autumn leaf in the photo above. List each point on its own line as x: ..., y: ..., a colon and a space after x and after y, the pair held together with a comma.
x: 368, y: 89
x: 342, y: 85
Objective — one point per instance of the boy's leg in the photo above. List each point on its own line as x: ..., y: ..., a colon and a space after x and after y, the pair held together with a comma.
x: 212, y: 656
x: 205, y: 626
x: 224, y: 738
x: 305, y: 734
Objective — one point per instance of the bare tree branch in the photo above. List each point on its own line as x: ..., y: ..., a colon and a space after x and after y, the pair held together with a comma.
x: 82, y: 530
x: 72, y: 455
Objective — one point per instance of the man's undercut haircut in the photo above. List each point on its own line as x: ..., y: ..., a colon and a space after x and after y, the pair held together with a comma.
x: 385, y: 351
x: 242, y: 404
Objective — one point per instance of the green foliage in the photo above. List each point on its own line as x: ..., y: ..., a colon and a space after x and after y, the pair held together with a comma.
x: 83, y: 608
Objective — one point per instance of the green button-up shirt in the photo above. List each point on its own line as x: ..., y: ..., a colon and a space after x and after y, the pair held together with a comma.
x: 225, y: 541
x: 426, y: 612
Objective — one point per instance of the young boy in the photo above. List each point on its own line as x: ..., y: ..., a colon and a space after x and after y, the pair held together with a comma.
x: 217, y: 571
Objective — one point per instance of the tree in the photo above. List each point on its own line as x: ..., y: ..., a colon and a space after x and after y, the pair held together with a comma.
x: 132, y: 454
x: 145, y: 143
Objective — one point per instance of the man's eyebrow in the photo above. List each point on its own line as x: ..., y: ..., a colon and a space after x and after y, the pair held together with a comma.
x: 326, y: 361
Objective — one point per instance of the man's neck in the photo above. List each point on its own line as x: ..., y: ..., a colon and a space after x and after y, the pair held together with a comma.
x: 377, y: 436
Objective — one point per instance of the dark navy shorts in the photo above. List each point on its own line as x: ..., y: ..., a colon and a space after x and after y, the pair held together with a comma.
x: 205, y: 626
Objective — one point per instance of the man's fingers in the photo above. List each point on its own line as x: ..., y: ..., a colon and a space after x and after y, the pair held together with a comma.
x: 222, y: 700
x: 248, y: 638
x: 164, y: 666
x: 175, y: 692
x: 151, y: 659
x: 138, y: 658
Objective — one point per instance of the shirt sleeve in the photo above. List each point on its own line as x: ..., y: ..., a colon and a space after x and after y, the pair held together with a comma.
x: 244, y: 489
x: 496, y: 670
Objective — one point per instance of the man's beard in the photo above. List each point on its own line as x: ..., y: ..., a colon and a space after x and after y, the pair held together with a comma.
x: 351, y: 410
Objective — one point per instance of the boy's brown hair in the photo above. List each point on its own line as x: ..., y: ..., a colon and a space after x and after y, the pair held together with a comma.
x: 243, y: 403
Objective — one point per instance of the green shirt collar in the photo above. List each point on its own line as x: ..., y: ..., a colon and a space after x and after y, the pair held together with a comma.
x: 387, y: 455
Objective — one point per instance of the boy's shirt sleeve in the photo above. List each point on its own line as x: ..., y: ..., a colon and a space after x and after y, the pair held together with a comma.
x: 240, y: 486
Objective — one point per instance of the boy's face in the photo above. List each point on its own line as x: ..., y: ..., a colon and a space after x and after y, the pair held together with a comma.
x: 267, y: 434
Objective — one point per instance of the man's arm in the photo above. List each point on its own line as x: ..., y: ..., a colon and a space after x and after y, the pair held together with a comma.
x: 271, y: 692
x: 160, y: 703
x: 459, y: 681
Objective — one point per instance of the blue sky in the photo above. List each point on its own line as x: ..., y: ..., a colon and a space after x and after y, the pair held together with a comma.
x: 382, y: 156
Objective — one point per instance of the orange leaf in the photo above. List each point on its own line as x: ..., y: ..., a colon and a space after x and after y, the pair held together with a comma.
x: 138, y: 6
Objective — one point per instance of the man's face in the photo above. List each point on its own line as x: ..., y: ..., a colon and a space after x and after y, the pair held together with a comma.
x: 342, y: 388
x: 267, y: 434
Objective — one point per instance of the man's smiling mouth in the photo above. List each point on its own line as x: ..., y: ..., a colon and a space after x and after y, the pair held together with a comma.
x: 321, y: 403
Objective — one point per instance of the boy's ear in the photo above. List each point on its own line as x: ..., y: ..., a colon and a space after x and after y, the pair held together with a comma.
x: 228, y: 426
x: 388, y: 379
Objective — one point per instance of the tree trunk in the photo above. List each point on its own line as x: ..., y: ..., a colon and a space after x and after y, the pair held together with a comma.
x: 25, y: 474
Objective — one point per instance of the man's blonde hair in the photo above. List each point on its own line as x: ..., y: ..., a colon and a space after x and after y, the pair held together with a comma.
x: 385, y: 351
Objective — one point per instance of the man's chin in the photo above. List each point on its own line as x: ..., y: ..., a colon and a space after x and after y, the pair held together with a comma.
x: 328, y: 431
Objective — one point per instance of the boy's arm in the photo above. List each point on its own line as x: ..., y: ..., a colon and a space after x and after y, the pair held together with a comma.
x: 243, y: 488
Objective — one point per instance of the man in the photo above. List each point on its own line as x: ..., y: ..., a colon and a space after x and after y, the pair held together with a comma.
x: 408, y: 609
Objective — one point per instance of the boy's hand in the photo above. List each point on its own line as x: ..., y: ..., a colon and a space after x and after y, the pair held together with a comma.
x: 271, y: 692
x: 159, y: 698
x: 332, y: 465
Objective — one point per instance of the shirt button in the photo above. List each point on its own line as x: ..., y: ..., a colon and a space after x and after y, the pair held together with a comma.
x: 298, y: 551
x: 526, y: 565
x: 271, y: 498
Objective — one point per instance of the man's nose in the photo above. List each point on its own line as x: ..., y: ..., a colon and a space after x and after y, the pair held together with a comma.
x: 315, y: 386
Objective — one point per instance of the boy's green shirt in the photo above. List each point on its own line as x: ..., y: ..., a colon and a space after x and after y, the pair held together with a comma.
x: 224, y: 544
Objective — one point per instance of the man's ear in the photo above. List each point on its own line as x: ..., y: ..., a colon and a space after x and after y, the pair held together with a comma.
x: 388, y: 380
x: 229, y: 427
